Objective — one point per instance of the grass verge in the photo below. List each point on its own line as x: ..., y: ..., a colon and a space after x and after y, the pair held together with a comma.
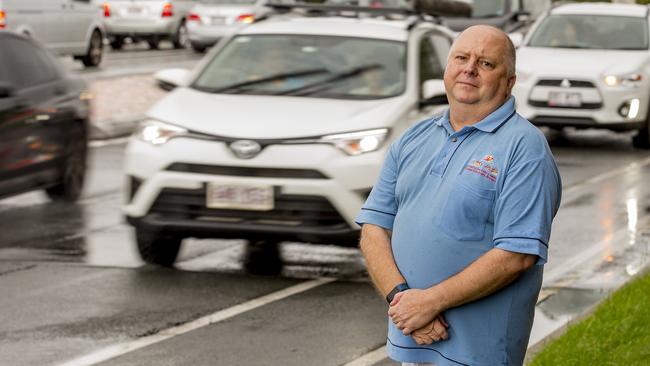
x: 617, y: 333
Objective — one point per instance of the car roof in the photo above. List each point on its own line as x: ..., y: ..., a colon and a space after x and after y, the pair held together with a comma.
x: 394, y: 30
x: 627, y: 10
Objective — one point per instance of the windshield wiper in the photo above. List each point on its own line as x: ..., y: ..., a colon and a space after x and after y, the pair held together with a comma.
x: 327, y: 83
x: 239, y: 87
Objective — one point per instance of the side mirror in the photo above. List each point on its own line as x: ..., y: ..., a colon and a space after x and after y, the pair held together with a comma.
x: 522, y: 16
x: 517, y: 38
x: 169, y: 79
x: 433, y: 93
x: 7, y: 89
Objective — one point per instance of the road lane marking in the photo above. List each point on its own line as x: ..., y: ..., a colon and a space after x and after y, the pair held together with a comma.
x: 369, y: 358
x: 126, y: 347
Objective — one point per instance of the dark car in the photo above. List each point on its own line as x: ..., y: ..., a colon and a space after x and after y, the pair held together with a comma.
x: 44, y: 116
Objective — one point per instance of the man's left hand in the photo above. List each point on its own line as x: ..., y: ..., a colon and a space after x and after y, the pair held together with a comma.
x: 411, y: 310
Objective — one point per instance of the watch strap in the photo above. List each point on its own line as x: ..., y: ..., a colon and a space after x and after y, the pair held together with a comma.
x: 399, y: 288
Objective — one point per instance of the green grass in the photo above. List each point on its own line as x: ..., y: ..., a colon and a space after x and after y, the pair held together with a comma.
x: 617, y: 333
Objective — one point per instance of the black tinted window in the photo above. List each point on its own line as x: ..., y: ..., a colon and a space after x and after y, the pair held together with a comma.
x: 430, y: 67
x: 23, y: 64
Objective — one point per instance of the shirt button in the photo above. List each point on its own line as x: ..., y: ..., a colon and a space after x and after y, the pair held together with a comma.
x: 454, y: 139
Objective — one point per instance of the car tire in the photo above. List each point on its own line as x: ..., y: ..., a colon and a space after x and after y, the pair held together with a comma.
x: 153, y: 42
x: 93, y: 56
x: 198, y: 49
x: 642, y: 139
x: 181, y: 39
x: 263, y: 258
x: 73, y: 169
x: 117, y: 43
x: 157, y: 249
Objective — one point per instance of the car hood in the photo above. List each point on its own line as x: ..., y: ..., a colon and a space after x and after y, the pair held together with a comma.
x: 268, y: 117
x: 560, y: 62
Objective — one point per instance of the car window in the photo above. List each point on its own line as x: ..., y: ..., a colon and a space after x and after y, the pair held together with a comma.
x: 592, y: 31
x: 488, y: 8
x: 307, y: 65
x: 431, y: 65
x: 29, y: 65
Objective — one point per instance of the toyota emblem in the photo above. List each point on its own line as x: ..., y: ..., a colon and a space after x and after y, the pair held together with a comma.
x: 245, y: 149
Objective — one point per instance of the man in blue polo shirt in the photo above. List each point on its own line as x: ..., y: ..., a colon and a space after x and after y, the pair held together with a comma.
x: 456, y: 229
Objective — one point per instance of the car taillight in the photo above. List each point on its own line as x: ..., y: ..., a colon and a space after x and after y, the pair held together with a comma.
x: 107, y: 9
x: 3, y: 22
x: 168, y: 10
x: 193, y: 16
x: 246, y: 18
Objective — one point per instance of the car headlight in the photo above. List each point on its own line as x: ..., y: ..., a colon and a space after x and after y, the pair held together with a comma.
x: 624, y: 80
x: 356, y: 143
x: 158, y: 133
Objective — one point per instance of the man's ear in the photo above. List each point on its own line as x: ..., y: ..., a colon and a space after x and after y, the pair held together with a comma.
x: 511, y: 82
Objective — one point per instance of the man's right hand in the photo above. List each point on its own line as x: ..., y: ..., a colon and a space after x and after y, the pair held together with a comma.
x: 435, y: 331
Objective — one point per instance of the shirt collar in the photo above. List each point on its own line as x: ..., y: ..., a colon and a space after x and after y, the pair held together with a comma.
x: 488, y: 124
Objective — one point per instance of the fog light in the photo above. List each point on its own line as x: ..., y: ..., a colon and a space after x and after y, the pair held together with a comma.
x: 629, y: 109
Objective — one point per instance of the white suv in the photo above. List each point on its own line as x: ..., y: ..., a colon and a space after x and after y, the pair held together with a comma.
x: 281, y: 132
x: 587, y: 66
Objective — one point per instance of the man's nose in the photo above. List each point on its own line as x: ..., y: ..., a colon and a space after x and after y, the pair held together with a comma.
x: 470, y: 68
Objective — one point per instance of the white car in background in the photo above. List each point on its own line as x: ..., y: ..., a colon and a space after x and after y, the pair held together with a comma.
x: 281, y: 132
x: 149, y: 20
x: 587, y: 66
x: 212, y: 20
x: 67, y: 27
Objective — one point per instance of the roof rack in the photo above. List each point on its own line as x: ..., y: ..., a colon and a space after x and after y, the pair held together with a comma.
x: 341, y: 10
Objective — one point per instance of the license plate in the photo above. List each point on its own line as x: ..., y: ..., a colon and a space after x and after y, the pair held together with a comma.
x: 218, y: 20
x: 135, y: 10
x: 259, y: 198
x: 564, y: 99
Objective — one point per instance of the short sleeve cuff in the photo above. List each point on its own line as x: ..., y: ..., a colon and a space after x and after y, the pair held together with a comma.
x: 525, y: 246
x: 379, y: 218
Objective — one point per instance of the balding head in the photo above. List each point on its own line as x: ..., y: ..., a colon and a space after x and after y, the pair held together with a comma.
x: 510, y: 56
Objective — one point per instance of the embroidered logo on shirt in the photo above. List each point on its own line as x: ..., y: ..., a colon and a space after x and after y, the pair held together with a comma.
x: 484, y: 167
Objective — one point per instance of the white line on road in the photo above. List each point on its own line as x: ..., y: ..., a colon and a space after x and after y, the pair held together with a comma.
x: 123, y: 348
x: 369, y: 358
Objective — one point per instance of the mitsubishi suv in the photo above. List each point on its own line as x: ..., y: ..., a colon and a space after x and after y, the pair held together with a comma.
x: 281, y: 131
x: 587, y: 66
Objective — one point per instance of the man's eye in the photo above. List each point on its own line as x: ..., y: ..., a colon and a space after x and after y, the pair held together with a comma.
x: 487, y: 64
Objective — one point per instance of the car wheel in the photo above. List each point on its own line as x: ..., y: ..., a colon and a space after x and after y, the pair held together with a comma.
x: 642, y: 138
x: 117, y: 43
x: 263, y: 258
x: 198, y: 49
x: 181, y: 40
x: 95, y: 50
x: 73, y: 169
x: 157, y: 249
x: 153, y: 42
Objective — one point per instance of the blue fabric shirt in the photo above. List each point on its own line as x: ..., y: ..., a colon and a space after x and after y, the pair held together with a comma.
x: 449, y: 197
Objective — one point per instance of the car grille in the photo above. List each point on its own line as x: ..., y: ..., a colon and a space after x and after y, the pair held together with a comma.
x: 558, y: 82
x: 542, y: 104
x: 247, y: 171
x: 289, y: 210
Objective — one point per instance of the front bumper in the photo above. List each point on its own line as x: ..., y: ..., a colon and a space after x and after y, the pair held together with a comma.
x: 600, y: 107
x: 317, y: 206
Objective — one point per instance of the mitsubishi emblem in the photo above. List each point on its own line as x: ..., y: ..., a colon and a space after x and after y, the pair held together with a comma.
x: 565, y: 83
x: 245, y: 149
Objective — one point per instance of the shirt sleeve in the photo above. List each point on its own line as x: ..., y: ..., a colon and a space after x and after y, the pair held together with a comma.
x: 381, y: 206
x: 525, y: 207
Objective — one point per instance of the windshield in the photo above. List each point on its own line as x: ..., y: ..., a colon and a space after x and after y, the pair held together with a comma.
x: 488, y: 8
x: 307, y: 65
x: 228, y: 2
x: 603, y: 32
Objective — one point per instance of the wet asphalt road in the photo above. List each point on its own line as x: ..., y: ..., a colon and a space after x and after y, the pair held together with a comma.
x: 72, y: 283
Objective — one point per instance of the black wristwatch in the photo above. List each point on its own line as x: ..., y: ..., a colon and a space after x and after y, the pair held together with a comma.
x: 399, y: 288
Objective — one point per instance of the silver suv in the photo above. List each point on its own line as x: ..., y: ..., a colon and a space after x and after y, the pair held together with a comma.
x: 150, y: 20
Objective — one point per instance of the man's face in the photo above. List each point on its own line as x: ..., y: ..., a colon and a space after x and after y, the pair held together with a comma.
x: 476, y: 71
